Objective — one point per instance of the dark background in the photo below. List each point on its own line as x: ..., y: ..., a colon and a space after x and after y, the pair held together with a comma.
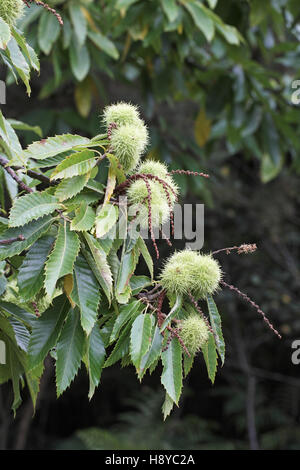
x: 255, y: 402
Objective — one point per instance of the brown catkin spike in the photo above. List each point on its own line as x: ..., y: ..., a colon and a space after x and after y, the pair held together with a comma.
x: 188, y: 172
x: 150, y: 216
x: 47, y: 7
x: 244, y: 248
x: 160, y: 318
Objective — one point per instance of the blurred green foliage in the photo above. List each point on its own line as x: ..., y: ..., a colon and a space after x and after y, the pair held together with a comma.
x: 233, y: 60
x: 224, y: 107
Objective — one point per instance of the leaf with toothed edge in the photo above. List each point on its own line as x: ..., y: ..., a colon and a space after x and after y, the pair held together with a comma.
x: 177, y: 306
x: 70, y: 349
x: 31, y: 207
x: 146, y: 255
x: 31, y: 272
x: 97, y: 260
x: 140, y: 338
x: 52, y: 146
x: 46, y: 330
x: 210, y: 357
x: 153, y: 354
x: 187, y: 364
x: 167, y: 406
x: 171, y: 377
x: 121, y: 348
x: 88, y: 293
x: 62, y: 257
x: 71, y: 186
x: 31, y: 232
x: 126, y: 312
x: 96, y: 357
x: 216, y: 324
x: 78, y: 163
x: 84, y: 218
x: 5, y: 34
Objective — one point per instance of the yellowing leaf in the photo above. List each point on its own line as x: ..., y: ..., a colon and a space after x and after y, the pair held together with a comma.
x: 89, y: 19
x: 202, y: 128
x: 68, y: 287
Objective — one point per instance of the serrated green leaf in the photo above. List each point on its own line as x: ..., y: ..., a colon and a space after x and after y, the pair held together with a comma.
x: 84, y: 218
x: 19, y: 62
x: 15, y: 370
x: 17, y: 312
x: 140, y: 338
x: 176, y: 307
x: 16, y: 331
x: 27, y: 50
x: 70, y: 348
x: 126, y: 313
x: 96, y: 358
x: 210, y: 357
x: 46, y: 331
x: 216, y: 324
x: 79, y: 163
x: 141, y: 245
x: 168, y: 405
x: 88, y: 293
x: 33, y: 382
x: 98, y: 262
x: 187, y: 363
x: 10, y: 140
x: 153, y: 354
x: 5, y: 34
x: 31, y: 272
x: 127, y: 267
x: 106, y: 219
x: 121, y: 348
x: 71, y: 186
x: 138, y: 283
x: 52, y: 146
x: 171, y: 377
x: 31, y: 232
x: 31, y: 207
x: 124, y: 297
x: 62, y: 257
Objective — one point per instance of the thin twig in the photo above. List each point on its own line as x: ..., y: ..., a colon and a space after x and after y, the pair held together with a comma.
x: 12, y: 173
x: 258, y: 309
x: 9, y: 241
x: 244, y: 248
